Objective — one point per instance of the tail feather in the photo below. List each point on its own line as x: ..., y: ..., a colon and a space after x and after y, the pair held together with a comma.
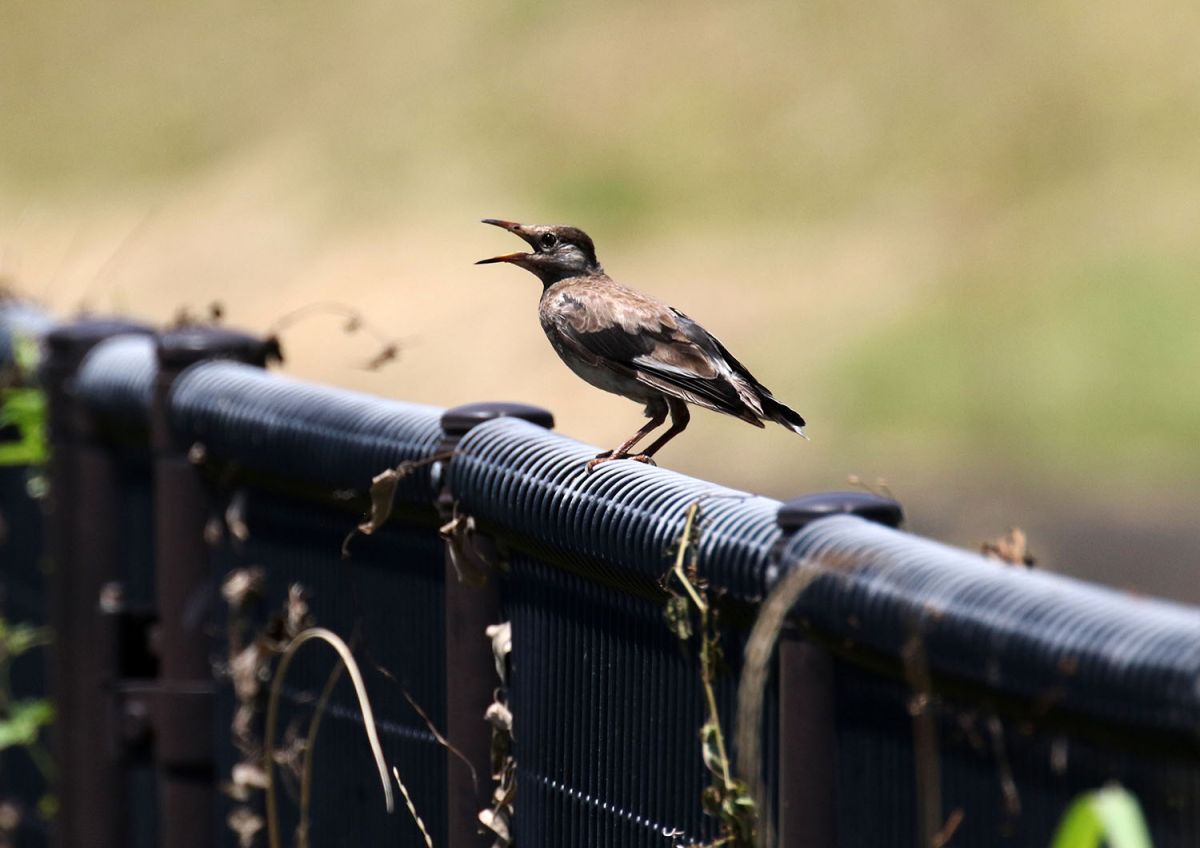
x: 783, y: 415
x: 755, y: 397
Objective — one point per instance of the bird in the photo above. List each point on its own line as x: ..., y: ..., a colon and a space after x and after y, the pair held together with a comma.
x: 634, y: 345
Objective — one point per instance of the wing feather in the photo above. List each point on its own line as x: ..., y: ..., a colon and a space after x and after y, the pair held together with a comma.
x: 640, y: 337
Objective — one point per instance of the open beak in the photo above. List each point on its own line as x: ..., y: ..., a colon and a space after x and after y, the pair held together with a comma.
x: 517, y: 230
x: 515, y: 258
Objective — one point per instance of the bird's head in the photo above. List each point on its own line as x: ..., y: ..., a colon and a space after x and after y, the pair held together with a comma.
x: 558, y: 252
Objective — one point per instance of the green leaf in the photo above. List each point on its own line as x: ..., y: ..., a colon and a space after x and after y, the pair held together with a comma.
x: 17, y: 640
x: 24, y: 409
x: 25, y: 720
x: 27, y: 354
x: 1109, y: 816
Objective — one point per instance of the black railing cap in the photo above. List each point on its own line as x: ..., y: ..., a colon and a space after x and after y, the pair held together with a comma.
x: 461, y: 419
x: 78, y: 337
x: 796, y: 514
x: 184, y: 346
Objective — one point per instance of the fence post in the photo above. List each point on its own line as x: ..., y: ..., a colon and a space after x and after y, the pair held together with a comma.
x: 807, y: 731
x: 82, y: 517
x: 183, y: 713
x: 470, y: 667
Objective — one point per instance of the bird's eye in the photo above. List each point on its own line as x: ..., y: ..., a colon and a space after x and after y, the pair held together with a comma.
x: 549, y: 240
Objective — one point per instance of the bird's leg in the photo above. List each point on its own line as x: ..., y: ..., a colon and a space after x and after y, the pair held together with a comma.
x: 656, y: 419
x: 679, y: 421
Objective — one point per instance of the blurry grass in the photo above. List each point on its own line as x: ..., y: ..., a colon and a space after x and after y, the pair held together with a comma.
x: 1089, y: 372
x: 619, y: 114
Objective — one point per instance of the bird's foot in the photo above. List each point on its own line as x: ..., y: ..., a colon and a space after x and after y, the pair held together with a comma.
x: 609, y: 456
x: 601, y: 458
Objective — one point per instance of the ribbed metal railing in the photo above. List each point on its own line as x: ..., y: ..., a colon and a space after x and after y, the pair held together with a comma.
x: 623, y: 517
x: 1100, y: 651
x: 301, y: 431
x: 116, y: 380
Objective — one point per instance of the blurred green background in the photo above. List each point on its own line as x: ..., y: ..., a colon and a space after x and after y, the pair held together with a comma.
x: 959, y: 237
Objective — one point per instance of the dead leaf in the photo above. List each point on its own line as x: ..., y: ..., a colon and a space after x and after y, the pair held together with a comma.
x: 296, y: 609
x: 246, y: 824
x: 246, y: 671
x: 1012, y: 548
x: 389, y: 353
x: 249, y: 775
x: 501, y: 636
x: 383, y: 495
x: 235, y: 517
x: 499, y: 716
x: 383, y: 499
x: 242, y: 586
x: 471, y: 563
x: 497, y: 822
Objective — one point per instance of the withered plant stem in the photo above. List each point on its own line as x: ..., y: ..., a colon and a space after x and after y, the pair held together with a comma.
x: 310, y: 745
x: 334, y: 641
x: 685, y: 543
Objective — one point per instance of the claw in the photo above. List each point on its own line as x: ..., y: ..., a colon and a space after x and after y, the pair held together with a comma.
x: 600, y: 460
x: 609, y: 456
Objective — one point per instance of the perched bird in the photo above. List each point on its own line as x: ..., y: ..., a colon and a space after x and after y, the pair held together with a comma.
x: 633, y: 345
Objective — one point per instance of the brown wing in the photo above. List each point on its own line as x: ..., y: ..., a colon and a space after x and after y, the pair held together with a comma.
x: 640, y: 337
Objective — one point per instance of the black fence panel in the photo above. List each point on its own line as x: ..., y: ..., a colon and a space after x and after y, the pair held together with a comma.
x: 294, y: 461
x: 607, y: 708
x: 1011, y: 773
x: 1032, y: 634
x: 607, y: 701
x: 1039, y: 687
x: 386, y: 601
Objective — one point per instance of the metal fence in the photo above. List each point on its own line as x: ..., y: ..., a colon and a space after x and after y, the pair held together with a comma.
x: 914, y: 684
